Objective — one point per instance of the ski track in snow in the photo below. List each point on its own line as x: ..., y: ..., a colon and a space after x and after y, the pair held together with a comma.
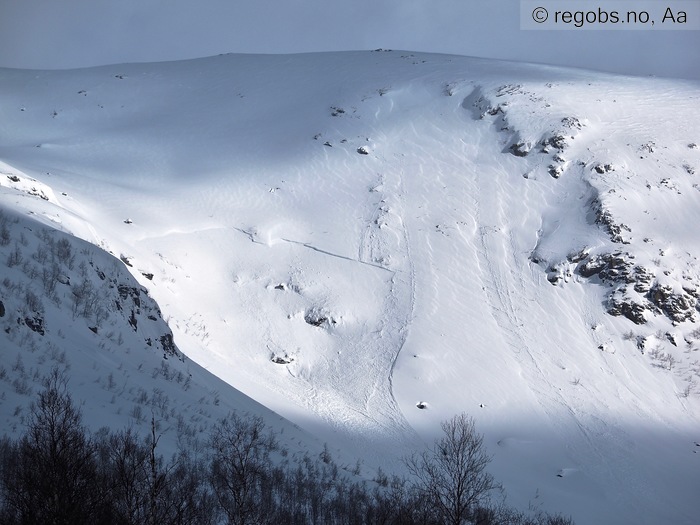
x: 504, y: 287
x: 400, y: 289
x: 400, y: 303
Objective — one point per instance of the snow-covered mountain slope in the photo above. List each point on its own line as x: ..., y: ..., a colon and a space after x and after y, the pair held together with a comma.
x: 369, y: 243
x: 67, y: 306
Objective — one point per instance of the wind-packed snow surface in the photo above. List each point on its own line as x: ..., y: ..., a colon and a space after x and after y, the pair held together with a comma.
x: 370, y: 243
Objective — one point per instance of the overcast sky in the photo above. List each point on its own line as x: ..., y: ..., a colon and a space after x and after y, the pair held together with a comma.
x: 76, y: 33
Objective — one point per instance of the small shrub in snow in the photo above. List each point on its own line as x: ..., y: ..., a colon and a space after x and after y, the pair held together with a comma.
x: 21, y: 386
x: 64, y: 252
x: 18, y: 365
x: 452, y: 474
x: 5, y: 236
x: 137, y: 413
x: 32, y: 302
x: 15, y: 257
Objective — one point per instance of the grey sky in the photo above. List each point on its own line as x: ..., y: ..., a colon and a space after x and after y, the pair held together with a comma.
x: 77, y: 33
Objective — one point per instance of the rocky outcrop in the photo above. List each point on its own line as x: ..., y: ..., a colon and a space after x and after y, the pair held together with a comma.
x: 678, y: 306
x: 622, y: 302
x: 318, y: 317
x: 635, y: 291
x: 603, y: 217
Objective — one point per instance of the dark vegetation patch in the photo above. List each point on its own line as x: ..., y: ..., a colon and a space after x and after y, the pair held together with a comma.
x: 59, y: 472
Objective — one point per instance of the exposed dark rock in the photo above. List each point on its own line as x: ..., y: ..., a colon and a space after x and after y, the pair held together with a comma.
x: 577, y: 256
x: 282, y: 360
x: 132, y: 292
x: 672, y: 338
x: 608, y: 266
x: 604, y: 168
x: 556, y: 141
x: 558, y: 273
x: 619, y: 303
x: 316, y: 317
x: 2, y: 309
x: 508, y: 89
x: 166, y: 341
x: 643, y: 279
x: 315, y: 321
x: 691, y: 290
x: 520, y: 149
x: 618, y: 269
x: 535, y: 258
x: 555, y: 171
x: 641, y: 343
x: 605, y: 218
x: 670, y: 184
x: 362, y: 150
x: 591, y: 267
x: 571, y: 123
x: 677, y: 306
x: 648, y: 147
x: 38, y: 193
x: 36, y: 324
